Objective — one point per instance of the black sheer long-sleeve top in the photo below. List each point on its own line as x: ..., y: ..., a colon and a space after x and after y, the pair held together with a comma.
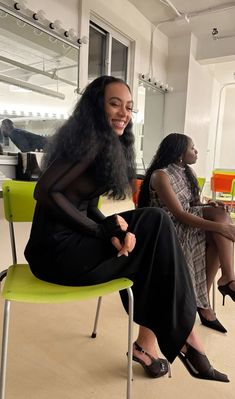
x: 67, y: 195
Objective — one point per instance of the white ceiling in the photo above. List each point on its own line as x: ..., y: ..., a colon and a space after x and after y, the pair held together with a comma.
x: 179, y: 17
x: 197, y: 16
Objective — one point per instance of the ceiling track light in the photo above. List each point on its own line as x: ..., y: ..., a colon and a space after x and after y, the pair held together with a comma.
x: 39, y: 16
x: 38, y: 20
x: 20, y: 5
x: 154, y: 84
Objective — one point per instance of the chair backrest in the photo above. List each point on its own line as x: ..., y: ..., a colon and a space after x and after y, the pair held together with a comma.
x: 135, y: 194
x: 221, y: 183
x: 224, y: 171
x: 232, y: 192
x: 201, y: 182
x: 18, y: 200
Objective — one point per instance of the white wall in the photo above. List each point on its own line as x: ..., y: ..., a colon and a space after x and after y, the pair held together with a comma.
x: 227, y: 147
x: 153, y: 124
x: 177, y: 70
x: 198, y: 107
x: 212, y: 139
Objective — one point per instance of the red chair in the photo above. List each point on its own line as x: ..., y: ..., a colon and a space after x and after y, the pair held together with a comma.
x: 222, y: 183
x: 135, y: 194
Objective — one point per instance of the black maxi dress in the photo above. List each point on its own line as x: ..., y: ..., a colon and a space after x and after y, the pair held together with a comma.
x: 70, y: 244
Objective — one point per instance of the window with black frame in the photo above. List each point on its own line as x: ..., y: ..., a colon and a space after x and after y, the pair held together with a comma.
x: 108, y: 53
x: 97, y: 51
x: 119, y: 59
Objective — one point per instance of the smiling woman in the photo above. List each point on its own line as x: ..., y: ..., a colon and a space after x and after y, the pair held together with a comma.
x: 118, y: 106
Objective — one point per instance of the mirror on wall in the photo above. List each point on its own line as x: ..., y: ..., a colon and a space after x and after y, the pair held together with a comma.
x: 148, y: 123
x: 225, y: 137
x: 38, y: 78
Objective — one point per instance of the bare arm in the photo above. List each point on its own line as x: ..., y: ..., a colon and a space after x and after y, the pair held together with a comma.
x: 161, y: 184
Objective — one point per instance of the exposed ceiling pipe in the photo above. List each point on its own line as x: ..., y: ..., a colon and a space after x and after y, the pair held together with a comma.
x: 173, y: 8
x: 64, y: 67
x: 30, y: 86
x: 36, y: 70
x: 210, y: 10
x: 193, y: 14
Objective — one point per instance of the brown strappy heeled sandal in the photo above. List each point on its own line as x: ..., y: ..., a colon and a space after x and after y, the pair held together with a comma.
x: 157, y: 368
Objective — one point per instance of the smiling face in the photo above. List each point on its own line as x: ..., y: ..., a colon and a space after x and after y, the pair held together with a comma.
x: 118, y: 106
x: 190, y: 155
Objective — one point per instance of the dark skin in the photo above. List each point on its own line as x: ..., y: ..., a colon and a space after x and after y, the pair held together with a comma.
x: 220, y: 231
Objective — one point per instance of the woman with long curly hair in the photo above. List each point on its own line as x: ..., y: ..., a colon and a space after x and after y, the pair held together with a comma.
x: 73, y: 243
x: 206, y: 232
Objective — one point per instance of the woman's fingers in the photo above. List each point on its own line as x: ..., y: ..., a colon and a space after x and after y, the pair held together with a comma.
x: 116, y: 243
x: 127, y: 246
x: 122, y: 223
x: 130, y: 241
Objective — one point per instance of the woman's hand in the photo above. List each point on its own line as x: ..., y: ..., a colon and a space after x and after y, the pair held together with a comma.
x: 122, y: 223
x: 228, y: 231
x: 127, y: 246
x: 217, y: 204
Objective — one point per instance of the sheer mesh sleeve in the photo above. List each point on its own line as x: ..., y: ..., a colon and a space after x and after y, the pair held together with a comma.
x: 64, y: 180
x: 93, y: 212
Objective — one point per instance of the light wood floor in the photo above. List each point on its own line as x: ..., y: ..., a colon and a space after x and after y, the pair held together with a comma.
x: 51, y: 355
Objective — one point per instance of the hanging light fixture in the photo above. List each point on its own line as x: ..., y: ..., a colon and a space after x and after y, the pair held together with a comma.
x: 153, y: 83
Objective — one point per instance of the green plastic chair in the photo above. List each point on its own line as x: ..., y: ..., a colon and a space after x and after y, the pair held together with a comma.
x: 201, y: 182
x: 22, y: 286
x: 232, y: 193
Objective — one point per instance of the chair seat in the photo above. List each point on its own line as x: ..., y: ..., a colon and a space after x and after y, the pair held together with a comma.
x: 22, y: 286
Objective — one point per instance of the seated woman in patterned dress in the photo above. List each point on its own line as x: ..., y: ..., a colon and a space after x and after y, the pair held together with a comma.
x: 206, y: 232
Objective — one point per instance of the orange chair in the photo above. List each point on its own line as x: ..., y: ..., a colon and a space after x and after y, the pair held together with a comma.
x: 135, y: 194
x: 222, y: 183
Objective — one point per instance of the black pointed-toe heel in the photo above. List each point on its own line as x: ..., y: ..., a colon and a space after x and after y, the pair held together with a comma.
x: 226, y: 290
x: 157, y: 368
x: 199, y: 366
x: 214, y: 324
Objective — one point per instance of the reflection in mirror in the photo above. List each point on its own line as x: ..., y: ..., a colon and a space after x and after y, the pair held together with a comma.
x: 38, y: 78
x: 148, y: 126
x: 224, y: 153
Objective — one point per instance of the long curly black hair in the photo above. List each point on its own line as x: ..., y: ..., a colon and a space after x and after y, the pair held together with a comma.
x: 87, y: 132
x: 171, y: 149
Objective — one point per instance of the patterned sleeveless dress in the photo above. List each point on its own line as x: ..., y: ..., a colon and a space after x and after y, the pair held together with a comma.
x: 193, y: 240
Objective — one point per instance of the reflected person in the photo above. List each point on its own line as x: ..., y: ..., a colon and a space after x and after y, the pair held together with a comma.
x: 24, y: 140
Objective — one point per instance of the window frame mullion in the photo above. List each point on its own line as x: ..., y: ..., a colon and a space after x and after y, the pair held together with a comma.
x: 108, y: 54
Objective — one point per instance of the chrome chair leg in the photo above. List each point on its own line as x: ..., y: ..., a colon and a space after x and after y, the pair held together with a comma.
x: 130, y: 340
x: 6, y: 319
x: 93, y: 335
x: 130, y: 337
x: 3, y: 274
x: 213, y: 296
